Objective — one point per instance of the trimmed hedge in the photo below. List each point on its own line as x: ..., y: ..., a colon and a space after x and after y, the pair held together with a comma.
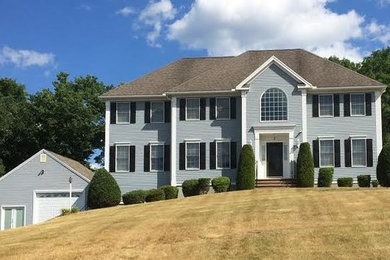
x: 364, y: 180
x: 246, y: 169
x: 221, y: 184
x: 383, y: 166
x: 325, y: 177
x: 305, y: 166
x: 170, y: 192
x: 190, y: 188
x: 154, y: 195
x: 204, y: 185
x: 134, y: 197
x: 103, y: 190
x: 345, y: 182
x: 374, y: 183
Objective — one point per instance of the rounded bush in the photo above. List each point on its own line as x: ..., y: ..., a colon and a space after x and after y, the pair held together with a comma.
x: 246, y: 169
x: 190, y: 188
x: 154, y: 195
x: 364, y: 180
x: 305, y: 166
x: 204, y: 185
x: 383, y: 166
x: 170, y: 192
x: 103, y: 191
x: 134, y: 197
x: 374, y: 183
x: 325, y: 177
x: 345, y: 182
x: 221, y: 184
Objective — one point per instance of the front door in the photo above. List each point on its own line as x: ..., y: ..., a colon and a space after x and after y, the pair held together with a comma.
x: 274, y: 159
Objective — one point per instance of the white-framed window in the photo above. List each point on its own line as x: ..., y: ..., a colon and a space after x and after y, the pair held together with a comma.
x: 326, y: 153
x: 223, y: 154
x: 359, y: 152
x: 358, y: 105
x: 122, y: 112
x: 193, y: 109
x: 223, y: 108
x: 192, y: 155
x: 326, y: 105
x: 273, y: 105
x: 157, y: 112
x: 122, y: 155
x: 156, y: 157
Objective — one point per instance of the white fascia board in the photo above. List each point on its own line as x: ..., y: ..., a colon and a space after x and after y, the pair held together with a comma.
x: 357, y: 89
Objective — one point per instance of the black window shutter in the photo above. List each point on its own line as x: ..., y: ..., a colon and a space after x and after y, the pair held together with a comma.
x: 337, y: 160
x: 132, y: 158
x: 133, y: 109
x: 212, y: 108
x: 233, y: 155
x: 113, y: 113
x: 147, y: 158
x: 167, y: 157
x: 232, y: 108
x: 147, y: 112
x: 315, y: 105
x: 336, y: 105
x: 369, y: 153
x: 202, y: 156
x: 112, y: 159
x: 316, y: 153
x: 182, y: 109
x: 202, y: 109
x: 347, y: 151
x: 212, y: 156
x: 182, y: 159
x: 347, y: 106
x: 368, y: 104
x: 167, y: 111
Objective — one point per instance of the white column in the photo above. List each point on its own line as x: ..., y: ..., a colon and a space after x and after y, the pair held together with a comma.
x: 291, y: 152
x: 173, y: 141
x: 107, y: 138
x: 257, y: 154
x: 304, y: 115
x: 378, y: 120
x: 243, y: 118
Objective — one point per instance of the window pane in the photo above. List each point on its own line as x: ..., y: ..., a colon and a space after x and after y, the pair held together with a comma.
x: 122, y: 158
x: 123, y: 112
x: 326, y: 152
x: 223, y: 154
x: 157, y: 157
x: 326, y: 105
x: 273, y: 105
x: 359, y: 152
x: 357, y: 104
x: 193, y: 108
x: 223, y: 105
x: 157, y: 112
x: 192, y: 155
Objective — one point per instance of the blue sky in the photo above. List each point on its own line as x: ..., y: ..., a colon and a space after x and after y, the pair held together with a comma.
x: 120, y: 40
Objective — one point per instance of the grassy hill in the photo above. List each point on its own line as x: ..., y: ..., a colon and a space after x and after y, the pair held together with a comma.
x: 263, y: 223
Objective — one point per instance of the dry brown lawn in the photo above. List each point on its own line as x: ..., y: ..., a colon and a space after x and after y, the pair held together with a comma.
x: 263, y: 223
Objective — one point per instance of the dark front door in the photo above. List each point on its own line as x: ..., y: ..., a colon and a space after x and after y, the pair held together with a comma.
x: 274, y: 159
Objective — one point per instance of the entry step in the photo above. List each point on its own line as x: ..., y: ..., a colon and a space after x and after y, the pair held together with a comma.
x: 275, y: 182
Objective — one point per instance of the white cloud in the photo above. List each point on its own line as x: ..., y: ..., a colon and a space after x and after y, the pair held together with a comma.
x: 384, y: 2
x: 95, y: 166
x: 85, y: 7
x: 379, y: 32
x: 125, y: 11
x: 25, y: 58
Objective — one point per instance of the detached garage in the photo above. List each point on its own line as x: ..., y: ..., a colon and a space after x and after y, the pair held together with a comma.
x: 40, y: 187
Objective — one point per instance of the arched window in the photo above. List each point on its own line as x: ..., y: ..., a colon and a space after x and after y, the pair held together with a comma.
x: 273, y: 105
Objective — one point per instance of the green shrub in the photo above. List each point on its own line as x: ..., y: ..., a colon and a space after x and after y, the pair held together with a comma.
x: 374, y: 183
x: 170, y: 192
x: 204, y: 185
x: 305, y: 166
x: 325, y: 177
x: 103, y: 190
x: 364, y: 180
x: 246, y: 169
x: 221, y: 184
x: 134, y: 197
x: 190, y: 188
x: 345, y: 182
x: 154, y: 195
x: 65, y: 212
x: 74, y: 209
x: 383, y: 166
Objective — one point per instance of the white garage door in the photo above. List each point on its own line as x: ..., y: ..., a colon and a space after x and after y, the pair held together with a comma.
x: 49, y: 205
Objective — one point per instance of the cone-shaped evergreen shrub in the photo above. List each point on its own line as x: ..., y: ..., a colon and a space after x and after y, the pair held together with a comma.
x: 246, y: 169
x: 103, y: 191
x: 383, y: 167
x: 305, y: 166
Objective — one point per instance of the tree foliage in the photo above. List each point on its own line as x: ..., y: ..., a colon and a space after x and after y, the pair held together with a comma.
x: 383, y: 166
x: 246, y: 169
x: 2, y: 168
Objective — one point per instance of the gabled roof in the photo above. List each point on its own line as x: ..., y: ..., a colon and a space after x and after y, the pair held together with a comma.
x: 226, y: 73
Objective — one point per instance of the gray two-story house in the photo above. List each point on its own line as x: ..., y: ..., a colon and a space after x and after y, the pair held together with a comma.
x: 189, y: 119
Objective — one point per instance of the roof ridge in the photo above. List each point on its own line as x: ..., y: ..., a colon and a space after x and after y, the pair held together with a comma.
x: 207, y: 57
